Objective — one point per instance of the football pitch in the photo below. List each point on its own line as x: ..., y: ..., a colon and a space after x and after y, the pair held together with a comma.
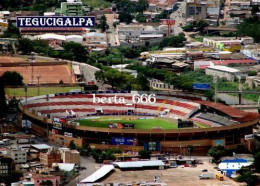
x: 139, y: 122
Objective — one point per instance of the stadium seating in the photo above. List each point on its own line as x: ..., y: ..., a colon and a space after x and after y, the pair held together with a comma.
x: 82, y: 104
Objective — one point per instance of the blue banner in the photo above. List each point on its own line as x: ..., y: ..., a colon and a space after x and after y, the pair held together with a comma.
x: 55, y: 21
x: 123, y: 141
x: 201, y: 86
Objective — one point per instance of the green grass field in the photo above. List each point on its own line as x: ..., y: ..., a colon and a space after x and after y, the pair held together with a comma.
x: 139, y: 123
x: 19, y: 92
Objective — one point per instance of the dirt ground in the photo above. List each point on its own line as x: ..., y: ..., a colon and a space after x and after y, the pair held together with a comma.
x: 48, y: 74
x: 20, y: 59
x: 172, y: 177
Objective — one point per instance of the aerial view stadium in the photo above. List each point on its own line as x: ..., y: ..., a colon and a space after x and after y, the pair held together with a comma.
x: 129, y: 92
x: 173, y: 121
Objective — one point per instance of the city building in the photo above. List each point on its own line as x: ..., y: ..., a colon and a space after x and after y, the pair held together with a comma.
x: 38, y: 179
x: 53, y: 30
x: 139, y: 32
x: 50, y: 157
x: 70, y: 156
x: 7, y: 166
x: 18, y: 155
x: 196, y: 9
x: 224, y: 72
x: 70, y: 8
x: 230, y: 166
x: 94, y: 39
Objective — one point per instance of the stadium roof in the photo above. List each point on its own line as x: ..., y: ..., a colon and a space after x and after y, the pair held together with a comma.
x: 101, y: 172
x: 139, y: 164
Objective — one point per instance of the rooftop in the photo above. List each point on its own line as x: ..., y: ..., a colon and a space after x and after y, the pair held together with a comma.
x: 41, y: 146
x: 101, y: 172
x: 139, y: 164
x: 223, y: 68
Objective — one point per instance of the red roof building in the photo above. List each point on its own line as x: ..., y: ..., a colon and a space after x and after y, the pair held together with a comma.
x: 235, y: 61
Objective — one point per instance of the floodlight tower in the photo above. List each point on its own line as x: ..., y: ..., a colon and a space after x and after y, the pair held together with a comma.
x: 168, y: 23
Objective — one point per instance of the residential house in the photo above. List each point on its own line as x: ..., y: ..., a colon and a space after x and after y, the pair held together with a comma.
x: 71, y: 8
x: 50, y: 157
x: 38, y: 179
x: 196, y: 9
x: 19, y: 155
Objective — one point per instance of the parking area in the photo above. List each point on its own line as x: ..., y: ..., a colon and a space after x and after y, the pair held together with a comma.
x: 172, y: 177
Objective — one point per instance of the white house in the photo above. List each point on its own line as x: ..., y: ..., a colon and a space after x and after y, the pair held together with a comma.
x: 231, y: 166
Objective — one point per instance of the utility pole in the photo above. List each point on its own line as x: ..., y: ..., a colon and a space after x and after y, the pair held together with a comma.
x: 38, y: 77
x: 215, y: 80
x: 26, y: 90
x: 48, y: 115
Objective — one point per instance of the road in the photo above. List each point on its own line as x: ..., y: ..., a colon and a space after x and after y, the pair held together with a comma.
x: 177, y: 16
x: 91, y: 167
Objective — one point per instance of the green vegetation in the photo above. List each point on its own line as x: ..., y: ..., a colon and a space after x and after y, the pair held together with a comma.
x: 144, y: 154
x: 173, y: 41
x: 11, y: 32
x: 139, y: 124
x: 257, y: 161
x: 72, y: 50
x: 141, y: 18
x: 30, y: 5
x: 195, y: 26
x: 163, y: 15
x: 250, y: 27
x: 100, y: 156
x: 97, y: 3
x: 12, y: 78
x: 33, y: 91
x: 103, y: 23
x: 219, y: 151
x: 3, y: 105
x: 127, y: 8
x: 72, y: 145
x: 247, y: 177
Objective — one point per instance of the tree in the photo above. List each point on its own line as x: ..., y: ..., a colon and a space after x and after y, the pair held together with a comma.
x: 75, y: 51
x: 257, y: 161
x: 25, y: 46
x: 125, y: 17
x: 72, y: 145
x: 3, y: 106
x: 12, y: 78
x: 103, y: 23
x: 144, y: 154
x: 142, y: 5
x: 143, y: 83
x: 247, y: 177
x: 12, y: 31
x: 217, y: 152
x: 46, y: 183
x: 13, y: 177
x: 141, y: 18
x: 250, y: 27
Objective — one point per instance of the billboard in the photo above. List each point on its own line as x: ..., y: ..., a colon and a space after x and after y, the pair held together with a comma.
x: 201, y: 86
x: 249, y: 136
x: 123, y: 141
x: 55, y: 21
x: 68, y: 134
x: 56, y: 123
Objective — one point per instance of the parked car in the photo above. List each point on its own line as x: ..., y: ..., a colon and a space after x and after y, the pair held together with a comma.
x: 205, y: 170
